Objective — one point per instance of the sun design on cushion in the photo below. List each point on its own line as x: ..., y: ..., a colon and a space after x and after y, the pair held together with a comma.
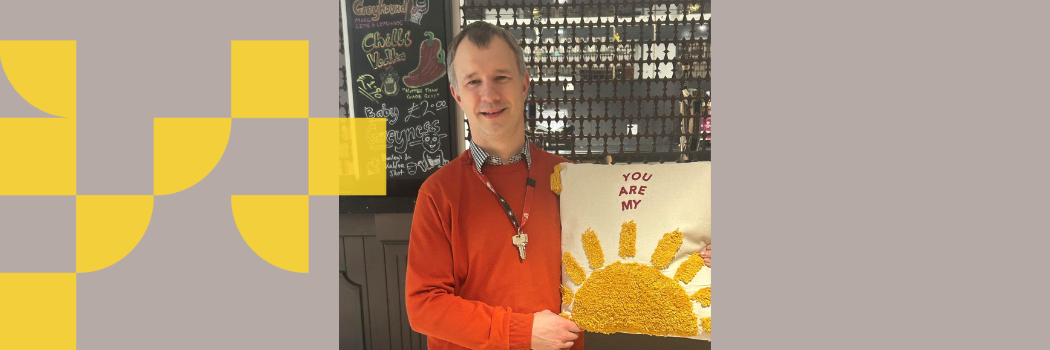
x: 633, y: 297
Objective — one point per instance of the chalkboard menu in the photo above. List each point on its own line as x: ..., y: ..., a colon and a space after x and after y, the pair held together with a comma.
x: 397, y: 72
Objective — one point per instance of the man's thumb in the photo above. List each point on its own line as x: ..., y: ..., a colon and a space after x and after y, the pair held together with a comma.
x: 573, y: 327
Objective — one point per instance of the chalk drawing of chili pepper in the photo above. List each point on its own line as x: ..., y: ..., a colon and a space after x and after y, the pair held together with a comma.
x: 431, y: 63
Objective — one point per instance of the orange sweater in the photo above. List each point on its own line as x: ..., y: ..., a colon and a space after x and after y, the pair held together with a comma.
x: 465, y: 286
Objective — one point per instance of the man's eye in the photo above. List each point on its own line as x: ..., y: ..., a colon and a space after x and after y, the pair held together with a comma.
x: 501, y: 78
x: 472, y: 82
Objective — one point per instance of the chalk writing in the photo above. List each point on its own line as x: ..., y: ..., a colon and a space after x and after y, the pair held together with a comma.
x: 377, y: 10
x: 367, y: 23
x: 385, y: 58
x: 424, y: 107
x: 397, y: 37
x: 411, y: 136
x: 375, y: 138
x: 390, y: 114
x: 381, y: 49
x: 389, y: 33
x: 368, y: 87
x: 413, y: 93
x: 375, y: 166
x: 363, y: 23
x: 430, y: 93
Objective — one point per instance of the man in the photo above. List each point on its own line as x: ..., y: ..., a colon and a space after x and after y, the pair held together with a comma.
x: 485, y: 249
x: 470, y: 282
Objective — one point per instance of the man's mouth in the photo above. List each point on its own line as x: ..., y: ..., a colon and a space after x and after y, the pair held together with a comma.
x: 494, y: 113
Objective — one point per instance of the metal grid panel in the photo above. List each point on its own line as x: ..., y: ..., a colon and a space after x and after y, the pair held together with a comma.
x: 612, y: 80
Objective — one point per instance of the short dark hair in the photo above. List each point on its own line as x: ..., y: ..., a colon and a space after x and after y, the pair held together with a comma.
x: 480, y: 33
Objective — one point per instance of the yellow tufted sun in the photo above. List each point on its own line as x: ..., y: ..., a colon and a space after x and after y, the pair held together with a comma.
x: 634, y: 297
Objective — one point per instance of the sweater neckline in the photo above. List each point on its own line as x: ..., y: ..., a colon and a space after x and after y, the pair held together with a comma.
x: 504, y: 169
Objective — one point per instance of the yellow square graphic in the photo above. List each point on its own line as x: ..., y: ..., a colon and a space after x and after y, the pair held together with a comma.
x: 361, y: 154
x: 270, y: 79
x: 38, y: 156
x: 38, y: 311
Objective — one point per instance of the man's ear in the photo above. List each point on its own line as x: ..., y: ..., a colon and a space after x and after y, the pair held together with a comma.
x: 452, y: 88
x: 527, y: 82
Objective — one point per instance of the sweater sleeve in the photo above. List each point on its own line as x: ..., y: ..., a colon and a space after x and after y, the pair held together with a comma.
x: 434, y: 308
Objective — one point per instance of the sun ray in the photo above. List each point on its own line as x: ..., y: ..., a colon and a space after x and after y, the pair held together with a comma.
x: 687, y: 270
x: 593, y: 248
x: 705, y: 323
x: 573, y: 268
x: 666, y: 249
x: 703, y: 296
x: 628, y: 235
x: 566, y: 295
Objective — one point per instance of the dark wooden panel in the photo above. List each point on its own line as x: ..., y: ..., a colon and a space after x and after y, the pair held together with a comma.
x: 393, y: 227
x: 396, y: 254
x: 391, y: 203
x: 354, y: 249
x: 378, y: 295
x: 357, y: 225
x: 616, y: 341
x: 351, y: 315
x: 419, y: 341
x: 342, y: 256
x: 375, y: 264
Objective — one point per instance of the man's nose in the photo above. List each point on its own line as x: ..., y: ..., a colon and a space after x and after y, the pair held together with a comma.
x: 490, y: 93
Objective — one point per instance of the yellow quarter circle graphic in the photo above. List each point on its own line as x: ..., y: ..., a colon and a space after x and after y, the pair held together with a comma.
x: 270, y: 79
x: 38, y: 156
x: 277, y: 228
x: 185, y: 150
x: 108, y: 228
x: 44, y: 73
x: 38, y: 311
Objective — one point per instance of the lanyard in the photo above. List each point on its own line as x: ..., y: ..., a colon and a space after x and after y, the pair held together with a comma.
x: 530, y: 186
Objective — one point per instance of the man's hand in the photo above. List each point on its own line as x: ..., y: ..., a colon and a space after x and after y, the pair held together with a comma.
x: 550, y: 331
x: 706, y: 254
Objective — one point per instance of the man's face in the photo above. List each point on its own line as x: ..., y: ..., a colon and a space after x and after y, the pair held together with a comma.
x: 490, y: 91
